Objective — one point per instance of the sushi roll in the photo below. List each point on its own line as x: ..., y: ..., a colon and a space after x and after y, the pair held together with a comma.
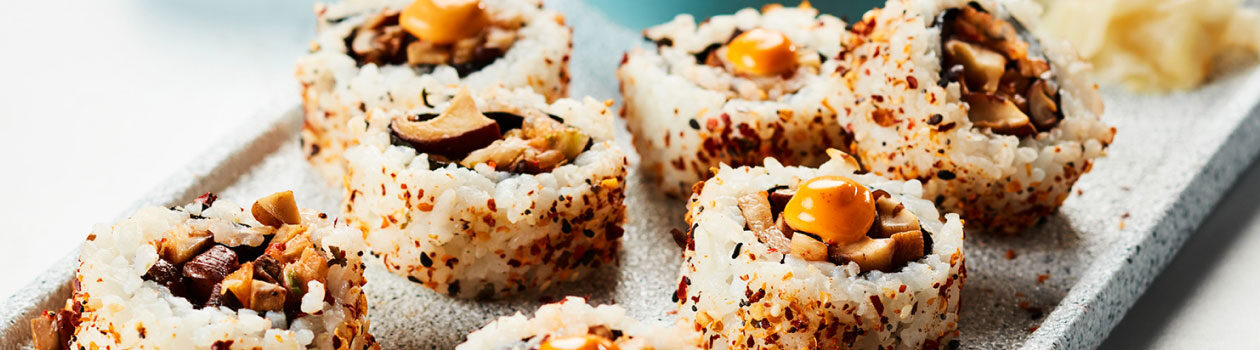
x: 489, y: 195
x: 996, y: 120
x: 733, y: 89
x: 571, y: 324
x: 213, y: 275
x: 395, y: 53
x: 825, y: 258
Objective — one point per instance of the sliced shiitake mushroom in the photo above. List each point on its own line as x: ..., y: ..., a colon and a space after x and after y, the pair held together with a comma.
x: 755, y: 208
x: 277, y: 209
x: 460, y: 129
x: 908, y: 246
x: 892, y: 216
x: 868, y: 253
x: 424, y: 52
x: 982, y: 68
x: 808, y: 247
x: 378, y: 40
x: 999, y: 114
x: 779, y: 198
x: 1042, y: 106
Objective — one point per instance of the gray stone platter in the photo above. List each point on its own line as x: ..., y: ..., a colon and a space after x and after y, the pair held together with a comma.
x: 1063, y: 284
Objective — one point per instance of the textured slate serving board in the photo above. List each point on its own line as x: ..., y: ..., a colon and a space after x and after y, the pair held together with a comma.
x: 1063, y: 284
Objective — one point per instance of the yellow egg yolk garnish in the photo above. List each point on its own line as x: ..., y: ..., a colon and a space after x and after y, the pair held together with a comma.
x: 836, y: 208
x: 443, y: 21
x: 579, y: 342
x: 762, y: 52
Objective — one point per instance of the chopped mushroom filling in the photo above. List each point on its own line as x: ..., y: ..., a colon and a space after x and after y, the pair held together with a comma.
x: 1008, y: 91
x: 430, y: 33
x: 531, y: 145
x: 835, y: 219
x: 214, y: 270
x: 271, y: 276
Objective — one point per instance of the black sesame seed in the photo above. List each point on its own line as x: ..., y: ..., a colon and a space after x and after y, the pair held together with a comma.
x: 694, y: 124
x: 425, y: 260
x: 945, y: 175
x: 935, y: 119
x: 588, y: 233
x: 738, y: 246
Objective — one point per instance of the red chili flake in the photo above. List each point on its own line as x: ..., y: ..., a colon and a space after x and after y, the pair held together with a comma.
x: 1010, y: 254
x: 912, y: 82
x: 1041, y: 278
x: 879, y: 306
x: 681, y: 294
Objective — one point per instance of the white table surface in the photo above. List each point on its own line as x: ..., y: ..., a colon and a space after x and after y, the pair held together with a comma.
x: 102, y: 100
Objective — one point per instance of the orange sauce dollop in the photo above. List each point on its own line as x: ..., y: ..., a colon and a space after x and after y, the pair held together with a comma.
x: 836, y: 208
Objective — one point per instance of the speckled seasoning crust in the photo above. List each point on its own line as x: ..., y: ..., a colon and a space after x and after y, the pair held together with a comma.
x: 999, y: 132
x: 365, y: 58
x: 572, y: 324
x: 746, y: 289
x: 494, y: 217
x: 213, y: 275
x: 694, y: 102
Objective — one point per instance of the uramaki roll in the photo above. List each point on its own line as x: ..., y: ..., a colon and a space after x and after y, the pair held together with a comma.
x: 967, y: 96
x: 572, y: 324
x: 395, y: 53
x: 214, y: 275
x: 733, y: 89
x: 805, y: 258
x: 491, y: 194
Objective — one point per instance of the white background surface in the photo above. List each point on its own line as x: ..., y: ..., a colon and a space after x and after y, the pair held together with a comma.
x: 101, y: 100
